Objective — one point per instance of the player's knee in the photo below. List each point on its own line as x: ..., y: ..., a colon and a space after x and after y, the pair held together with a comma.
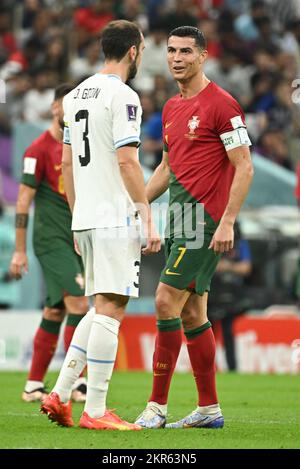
x: 189, y: 318
x: 54, y: 314
x: 77, y: 304
x: 163, y: 303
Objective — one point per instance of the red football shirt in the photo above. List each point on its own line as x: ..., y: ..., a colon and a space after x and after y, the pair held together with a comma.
x: 200, y: 167
x: 52, y: 216
x: 42, y: 162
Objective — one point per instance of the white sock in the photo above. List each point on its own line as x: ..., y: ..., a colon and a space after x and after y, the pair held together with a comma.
x: 33, y: 385
x: 162, y: 408
x: 75, y: 359
x: 101, y: 354
x: 209, y: 409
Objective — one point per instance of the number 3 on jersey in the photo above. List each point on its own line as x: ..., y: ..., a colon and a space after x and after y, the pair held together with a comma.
x: 84, y: 114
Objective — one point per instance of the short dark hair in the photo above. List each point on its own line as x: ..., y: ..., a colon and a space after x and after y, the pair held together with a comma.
x: 117, y: 38
x: 61, y: 90
x: 190, y: 31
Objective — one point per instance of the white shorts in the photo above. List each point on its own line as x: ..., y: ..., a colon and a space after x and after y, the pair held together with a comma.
x: 111, y: 258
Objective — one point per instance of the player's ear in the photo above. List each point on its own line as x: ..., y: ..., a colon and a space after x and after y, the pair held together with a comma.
x: 132, y: 52
x: 202, y: 56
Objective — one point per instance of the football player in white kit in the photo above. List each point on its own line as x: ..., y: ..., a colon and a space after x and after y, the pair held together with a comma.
x: 105, y: 189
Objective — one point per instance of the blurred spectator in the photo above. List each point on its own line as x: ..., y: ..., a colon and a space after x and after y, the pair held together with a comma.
x: 55, y: 57
x: 8, y: 287
x: 27, y: 57
x: 91, y: 20
x: 245, y: 25
x: 156, y: 9
x: 146, y: 155
x: 89, y: 63
x: 284, y: 11
x: 163, y: 89
x: 228, y: 296
x: 209, y: 27
x: 132, y: 10
x: 8, y: 43
x: 44, y: 26
x: 182, y: 14
x: 17, y: 86
x: 154, y: 59
x: 228, y: 73
x: 30, y: 10
x: 267, y: 36
x: 151, y: 133
x: 273, y: 146
x: 280, y: 113
x: 37, y: 101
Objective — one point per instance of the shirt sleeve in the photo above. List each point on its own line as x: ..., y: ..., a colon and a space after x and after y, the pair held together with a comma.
x: 231, y: 126
x: 33, y: 166
x: 67, y: 136
x: 126, y: 116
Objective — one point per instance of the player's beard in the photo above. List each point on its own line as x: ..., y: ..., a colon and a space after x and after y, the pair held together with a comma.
x: 61, y: 124
x: 132, y: 71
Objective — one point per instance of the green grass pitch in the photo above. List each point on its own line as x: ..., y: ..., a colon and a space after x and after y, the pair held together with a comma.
x: 261, y: 411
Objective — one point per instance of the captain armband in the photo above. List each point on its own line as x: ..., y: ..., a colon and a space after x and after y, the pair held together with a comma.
x: 21, y: 220
x: 235, y: 138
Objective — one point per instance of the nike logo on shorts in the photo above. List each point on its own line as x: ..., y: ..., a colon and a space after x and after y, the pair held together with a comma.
x: 168, y: 272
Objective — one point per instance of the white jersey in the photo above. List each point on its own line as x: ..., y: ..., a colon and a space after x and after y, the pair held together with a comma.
x: 101, y: 115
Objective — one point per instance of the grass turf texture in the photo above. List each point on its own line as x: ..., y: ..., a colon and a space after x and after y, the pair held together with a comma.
x: 261, y: 411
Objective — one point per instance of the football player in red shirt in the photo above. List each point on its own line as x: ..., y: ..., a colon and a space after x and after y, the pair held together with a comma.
x: 207, y: 167
x: 62, y: 268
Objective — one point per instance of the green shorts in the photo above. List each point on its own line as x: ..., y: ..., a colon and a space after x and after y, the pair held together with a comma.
x: 189, y: 268
x: 63, y: 274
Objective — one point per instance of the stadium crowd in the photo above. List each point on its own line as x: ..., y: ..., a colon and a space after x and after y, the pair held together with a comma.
x: 254, y: 53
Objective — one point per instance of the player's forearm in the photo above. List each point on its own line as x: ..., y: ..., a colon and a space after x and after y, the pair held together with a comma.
x: 67, y: 172
x: 133, y: 179
x: 238, y: 192
x: 25, y: 196
x: 21, y: 233
x: 158, y: 183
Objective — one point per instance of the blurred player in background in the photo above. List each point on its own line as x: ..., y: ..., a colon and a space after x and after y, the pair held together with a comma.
x: 206, y: 160
x: 54, y: 247
x: 105, y: 186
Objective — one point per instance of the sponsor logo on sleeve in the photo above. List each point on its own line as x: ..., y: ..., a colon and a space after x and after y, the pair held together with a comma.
x: 66, y: 138
x: 29, y: 165
x: 131, y: 112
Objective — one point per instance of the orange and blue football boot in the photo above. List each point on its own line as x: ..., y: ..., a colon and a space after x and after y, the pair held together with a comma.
x: 109, y: 421
x: 57, y: 411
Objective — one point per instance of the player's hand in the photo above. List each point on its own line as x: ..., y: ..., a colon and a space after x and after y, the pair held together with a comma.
x: 76, y: 246
x: 19, y: 265
x: 223, y: 239
x: 153, y: 241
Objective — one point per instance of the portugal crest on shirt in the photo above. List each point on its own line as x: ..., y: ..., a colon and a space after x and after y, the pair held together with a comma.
x: 193, y: 124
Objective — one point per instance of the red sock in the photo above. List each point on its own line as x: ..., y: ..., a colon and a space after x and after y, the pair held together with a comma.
x: 44, y: 346
x: 72, y: 322
x: 202, y: 349
x: 167, y: 347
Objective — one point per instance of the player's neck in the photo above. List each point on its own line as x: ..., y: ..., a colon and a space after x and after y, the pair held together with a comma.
x: 115, y: 69
x: 194, y: 86
x: 56, y: 131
